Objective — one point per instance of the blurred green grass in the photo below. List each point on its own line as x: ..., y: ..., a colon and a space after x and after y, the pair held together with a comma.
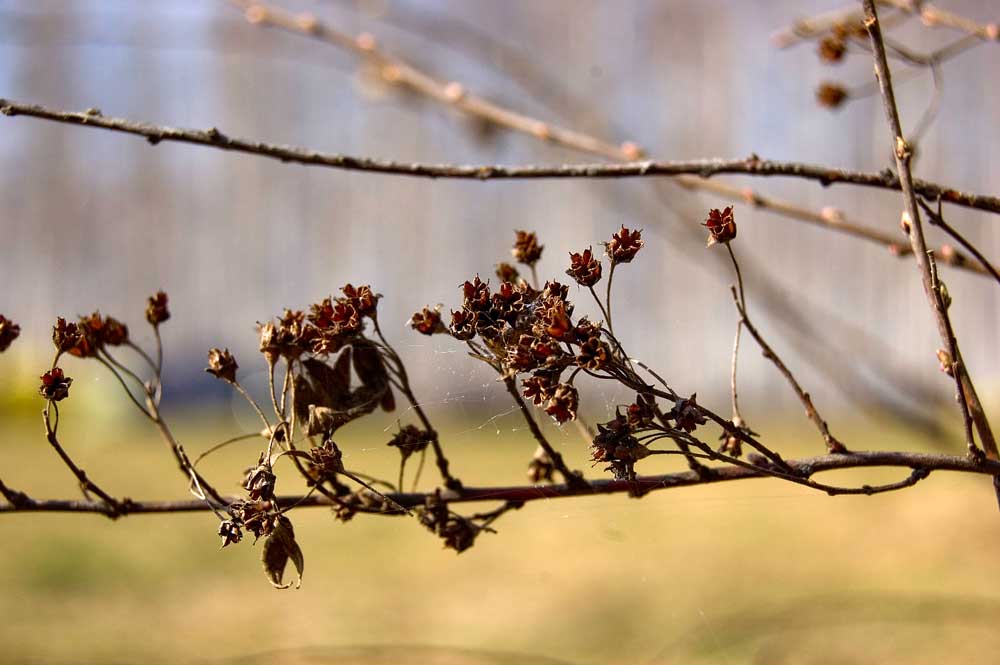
x: 758, y: 571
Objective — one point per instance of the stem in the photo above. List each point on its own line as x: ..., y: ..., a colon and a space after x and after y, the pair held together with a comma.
x: 572, y: 478
x: 125, y: 387
x: 442, y: 461
x: 739, y: 297
x: 253, y: 403
x: 737, y: 417
x: 925, y: 261
x: 607, y: 297
x: 86, y: 484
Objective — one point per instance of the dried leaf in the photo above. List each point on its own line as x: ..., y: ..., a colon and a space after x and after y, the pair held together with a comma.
x: 388, y: 402
x: 331, y: 385
x: 370, y: 367
x: 279, y: 547
x: 323, y: 420
x: 368, y: 364
x: 304, y: 397
x: 322, y: 385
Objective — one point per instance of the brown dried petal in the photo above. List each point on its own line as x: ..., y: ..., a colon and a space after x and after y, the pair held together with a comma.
x: 156, y: 309
x: 55, y: 385
x: 687, y: 415
x: 476, y: 295
x: 362, y: 298
x: 222, y: 365
x: 9, y: 331
x: 721, y: 225
x: 279, y: 548
x: 563, y: 403
x: 506, y: 272
x: 428, y: 321
x: 624, y: 245
x: 594, y: 353
x: 230, y: 532
x: 526, y: 249
x: 463, y: 324
x: 831, y: 95
x: 831, y: 49
x: 584, y: 267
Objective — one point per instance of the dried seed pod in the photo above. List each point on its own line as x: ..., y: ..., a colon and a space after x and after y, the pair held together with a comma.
x: 156, y: 309
x: 9, y: 331
x: 222, y: 365
x: 55, y: 385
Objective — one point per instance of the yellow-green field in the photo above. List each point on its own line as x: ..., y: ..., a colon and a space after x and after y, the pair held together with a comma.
x: 758, y: 571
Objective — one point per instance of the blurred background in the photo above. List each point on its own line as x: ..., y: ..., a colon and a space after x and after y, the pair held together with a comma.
x: 760, y: 573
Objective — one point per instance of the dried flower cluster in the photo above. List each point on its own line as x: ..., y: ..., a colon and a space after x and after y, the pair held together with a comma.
x: 86, y: 337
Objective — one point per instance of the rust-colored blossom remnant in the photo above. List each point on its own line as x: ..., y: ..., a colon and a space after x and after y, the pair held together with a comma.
x: 563, y: 403
x: 458, y: 533
x: 362, y: 299
x: 541, y: 469
x: 831, y: 49
x: 616, y: 446
x: 411, y: 439
x: 288, y: 337
x: 506, y: 273
x: 68, y: 338
x: 721, y: 226
x: 428, y: 321
x: 687, y: 414
x: 115, y: 333
x: 584, y: 267
x: 55, y: 385
x: 463, y: 324
x: 526, y: 249
x: 9, y: 331
x: 98, y: 331
x: 222, y: 365
x: 156, y: 309
x: 624, y: 245
x: 831, y: 95
x: 260, y: 481
x: 230, y: 532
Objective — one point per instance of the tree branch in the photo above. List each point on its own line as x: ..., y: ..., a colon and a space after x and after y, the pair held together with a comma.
x: 936, y: 295
x: 704, y: 168
x: 805, y: 467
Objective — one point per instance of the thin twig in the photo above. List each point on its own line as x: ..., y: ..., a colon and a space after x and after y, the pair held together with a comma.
x: 832, y: 444
x: 936, y: 218
x: 572, y: 478
x: 112, y: 504
x: 450, y: 481
x: 737, y: 417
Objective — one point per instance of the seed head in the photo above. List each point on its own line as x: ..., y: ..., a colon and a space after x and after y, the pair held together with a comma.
x: 55, y: 385
x: 831, y: 95
x: 156, y: 310
x: 584, y: 267
x: 222, y: 365
x: 721, y: 226
x: 9, y: 331
x: 624, y: 245
x: 526, y: 249
x: 427, y: 321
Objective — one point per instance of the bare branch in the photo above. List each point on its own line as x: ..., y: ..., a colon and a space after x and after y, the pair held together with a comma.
x: 936, y: 295
x: 704, y: 168
x: 805, y: 467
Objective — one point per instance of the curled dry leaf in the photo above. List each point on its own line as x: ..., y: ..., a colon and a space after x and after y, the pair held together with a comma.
x: 279, y: 547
